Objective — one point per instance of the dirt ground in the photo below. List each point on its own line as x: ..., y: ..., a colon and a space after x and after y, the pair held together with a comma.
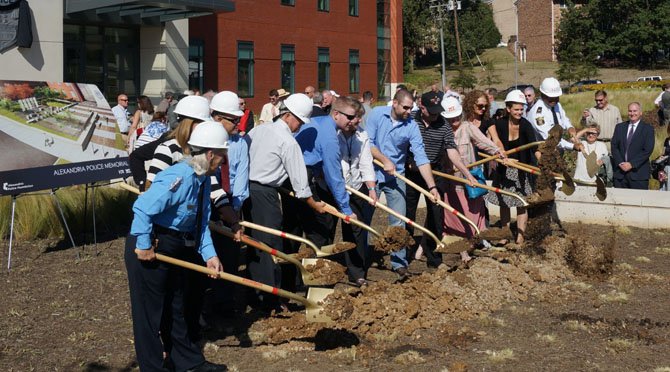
x: 585, y: 298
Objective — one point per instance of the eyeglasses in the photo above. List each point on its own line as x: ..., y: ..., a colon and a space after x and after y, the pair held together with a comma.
x: 592, y: 134
x: 235, y: 120
x: 242, y: 103
x: 349, y: 117
x: 480, y: 106
x: 406, y: 107
x: 124, y: 99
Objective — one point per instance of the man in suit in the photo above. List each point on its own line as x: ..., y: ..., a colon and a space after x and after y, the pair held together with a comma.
x: 632, y: 144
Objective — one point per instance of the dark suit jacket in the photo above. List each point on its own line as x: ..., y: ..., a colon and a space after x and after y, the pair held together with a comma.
x: 639, y: 152
x: 318, y: 111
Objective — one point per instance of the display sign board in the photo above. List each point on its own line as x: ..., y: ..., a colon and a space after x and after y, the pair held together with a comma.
x: 55, y: 134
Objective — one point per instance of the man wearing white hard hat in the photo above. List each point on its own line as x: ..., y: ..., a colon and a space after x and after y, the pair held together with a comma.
x: 276, y: 159
x: 547, y: 112
x: 171, y: 219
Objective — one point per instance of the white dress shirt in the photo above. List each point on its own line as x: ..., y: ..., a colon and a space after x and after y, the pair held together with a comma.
x: 121, y: 115
x: 356, y: 158
x: 541, y: 118
x: 274, y: 156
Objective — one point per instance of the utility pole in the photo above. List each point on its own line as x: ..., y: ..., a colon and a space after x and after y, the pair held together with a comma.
x: 516, y: 46
x: 439, y: 8
x: 456, y: 6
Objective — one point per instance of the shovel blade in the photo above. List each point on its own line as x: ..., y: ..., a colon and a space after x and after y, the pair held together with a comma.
x: 331, y: 249
x: 592, y: 164
x: 601, y: 190
x: 307, y: 277
x: 568, y: 187
x: 453, y: 244
x: 316, y: 313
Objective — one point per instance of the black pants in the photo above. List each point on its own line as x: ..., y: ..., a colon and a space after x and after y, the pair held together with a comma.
x: 434, y: 218
x: 153, y: 286
x: 265, y: 210
x: 357, y: 260
x: 228, y: 252
x: 627, y: 183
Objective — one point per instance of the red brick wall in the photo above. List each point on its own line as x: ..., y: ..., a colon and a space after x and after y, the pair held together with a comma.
x: 303, y: 26
x: 535, y: 29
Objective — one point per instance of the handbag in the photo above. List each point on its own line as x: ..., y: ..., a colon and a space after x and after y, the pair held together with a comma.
x: 475, y: 192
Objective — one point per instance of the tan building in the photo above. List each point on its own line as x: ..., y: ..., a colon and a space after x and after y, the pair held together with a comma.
x: 504, y: 16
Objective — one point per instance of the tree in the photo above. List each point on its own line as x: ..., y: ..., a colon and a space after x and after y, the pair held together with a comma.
x: 416, y: 30
x: 490, y: 75
x: 464, y: 79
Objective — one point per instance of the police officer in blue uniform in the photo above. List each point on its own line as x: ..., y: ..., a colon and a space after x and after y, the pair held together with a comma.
x: 171, y: 219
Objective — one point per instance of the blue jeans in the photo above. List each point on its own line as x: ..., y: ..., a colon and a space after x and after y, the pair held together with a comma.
x: 394, y: 191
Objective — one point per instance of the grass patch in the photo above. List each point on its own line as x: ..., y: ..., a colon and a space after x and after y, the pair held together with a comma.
x: 625, y: 266
x: 623, y: 230
x: 575, y: 325
x: 662, y: 250
x: 662, y: 369
x: 614, y: 296
x: 500, y: 356
x: 546, y: 338
x: 619, y: 345
x: 488, y: 321
x: 579, y: 286
x: 642, y: 259
x: 409, y: 358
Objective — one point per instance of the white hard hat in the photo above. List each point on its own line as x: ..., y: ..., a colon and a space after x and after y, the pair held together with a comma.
x: 226, y: 102
x: 516, y: 96
x: 299, y: 105
x: 209, y: 135
x: 452, y: 107
x: 550, y: 87
x: 194, y: 107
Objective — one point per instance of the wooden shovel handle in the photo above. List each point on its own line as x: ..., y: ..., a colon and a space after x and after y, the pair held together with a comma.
x: 132, y: 189
x: 236, y: 279
x: 488, y: 157
x: 530, y: 168
x: 430, y: 196
x: 394, y: 213
x: 254, y: 243
x: 280, y: 234
x: 481, y: 185
x: 332, y: 210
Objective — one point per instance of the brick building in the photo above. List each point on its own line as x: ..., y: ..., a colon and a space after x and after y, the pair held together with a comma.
x: 538, y: 25
x: 347, y: 46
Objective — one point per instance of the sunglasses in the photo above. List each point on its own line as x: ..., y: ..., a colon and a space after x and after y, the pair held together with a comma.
x: 232, y: 120
x: 480, y: 106
x: 349, y: 117
x: 406, y: 107
x: 124, y: 99
x: 592, y: 134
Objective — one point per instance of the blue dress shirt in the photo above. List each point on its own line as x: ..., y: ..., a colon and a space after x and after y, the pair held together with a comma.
x: 321, y: 150
x: 172, y: 202
x: 394, y: 139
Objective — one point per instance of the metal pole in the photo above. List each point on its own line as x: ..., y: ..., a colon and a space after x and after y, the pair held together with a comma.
x: 11, y: 234
x: 458, y: 40
x: 444, y: 74
x: 62, y: 215
x: 516, y: 46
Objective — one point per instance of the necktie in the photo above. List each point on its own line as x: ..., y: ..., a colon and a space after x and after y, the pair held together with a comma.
x: 553, y: 113
x: 225, y: 175
x: 629, y: 138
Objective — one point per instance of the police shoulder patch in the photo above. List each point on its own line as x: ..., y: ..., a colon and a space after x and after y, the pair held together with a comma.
x: 175, y: 184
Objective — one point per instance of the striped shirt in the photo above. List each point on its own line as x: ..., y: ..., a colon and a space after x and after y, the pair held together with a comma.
x: 438, y: 137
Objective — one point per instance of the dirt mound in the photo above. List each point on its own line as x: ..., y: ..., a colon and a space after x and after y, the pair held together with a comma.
x: 586, y: 258
x: 338, y: 306
x: 305, y: 252
x: 343, y: 246
x: 393, y: 239
x: 327, y: 271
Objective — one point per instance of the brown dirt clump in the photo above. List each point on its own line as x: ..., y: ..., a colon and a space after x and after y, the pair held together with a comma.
x: 304, y: 252
x: 586, y: 258
x: 539, y: 223
x: 393, y: 239
x: 457, y: 247
x: 338, y: 306
x: 496, y: 233
x: 326, y: 271
x: 343, y: 246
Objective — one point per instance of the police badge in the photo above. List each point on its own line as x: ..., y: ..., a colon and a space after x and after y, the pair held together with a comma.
x: 539, y: 120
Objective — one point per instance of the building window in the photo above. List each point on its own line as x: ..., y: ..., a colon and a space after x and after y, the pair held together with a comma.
x: 354, y: 71
x: 323, y: 5
x: 324, y: 68
x: 288, y: 2
x: 288, y: 67
x: 196, y: 64
x: 245, y: 69
x: 353, y: 8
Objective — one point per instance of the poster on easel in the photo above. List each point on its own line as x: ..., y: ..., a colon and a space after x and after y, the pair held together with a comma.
x: 57, y: 134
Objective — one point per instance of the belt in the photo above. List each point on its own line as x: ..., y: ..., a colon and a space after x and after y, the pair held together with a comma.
x: 158, y: 229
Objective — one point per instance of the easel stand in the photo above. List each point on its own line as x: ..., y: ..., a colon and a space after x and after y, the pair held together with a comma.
x: 93, y: 186
x: 11, y: 228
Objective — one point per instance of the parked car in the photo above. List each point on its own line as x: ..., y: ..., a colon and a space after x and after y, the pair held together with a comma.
x: 577, y: 87
x: 650, y: 78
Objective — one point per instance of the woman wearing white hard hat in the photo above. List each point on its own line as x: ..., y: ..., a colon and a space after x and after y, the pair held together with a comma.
x: 471, y: 203
x: 513, y: 131
x: 190, y: 111
x: 171, y: 218
x: 276, y: 160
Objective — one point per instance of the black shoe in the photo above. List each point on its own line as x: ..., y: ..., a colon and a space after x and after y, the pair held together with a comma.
x: 361, y: 282
x: 209, y: 367
x: 402, y: 273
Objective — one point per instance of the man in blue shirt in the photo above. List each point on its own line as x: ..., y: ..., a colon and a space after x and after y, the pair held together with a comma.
x: 171, y: 218
x: 393, y: 133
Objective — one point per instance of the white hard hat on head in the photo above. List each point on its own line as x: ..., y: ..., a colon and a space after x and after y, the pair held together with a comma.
x: 299, y: 105
x: 194, y: 107
x: 452, y: 107
x: 516, y: 96
x: 550, y: 87
x: 226, y: 102
x: 209, y: 135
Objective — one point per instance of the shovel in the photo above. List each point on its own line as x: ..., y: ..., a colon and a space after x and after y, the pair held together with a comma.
x: 568, y: 186
x: 442, y: 204
x: 592, y: 164
x: 488, y: 158
x: 601, y: 191
x: 307, y: 277
x: 325, y: 251
x: 440, y: 244
x: 315, y: 312
x: 132, y: 189
x: 483, y: 186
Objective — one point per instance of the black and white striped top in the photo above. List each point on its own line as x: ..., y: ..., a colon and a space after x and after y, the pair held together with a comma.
x: 166, y: 154
x: 438, y: 137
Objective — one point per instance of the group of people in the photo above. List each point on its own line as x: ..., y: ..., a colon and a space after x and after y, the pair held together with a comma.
x: 285, y: 173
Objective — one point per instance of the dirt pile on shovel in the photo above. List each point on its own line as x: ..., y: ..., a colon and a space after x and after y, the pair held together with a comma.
x: 326, y: 271
x: 305, y: 252
x: 343, y: 246
x: 393, y: 239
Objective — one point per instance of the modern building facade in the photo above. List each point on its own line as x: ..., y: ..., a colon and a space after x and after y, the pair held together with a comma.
x: 131, y: 46
x: 349, y: 46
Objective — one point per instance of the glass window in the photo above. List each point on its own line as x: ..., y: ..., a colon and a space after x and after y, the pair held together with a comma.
x: 353, y: 8
x: 288, y: 67
x: 354, y: 71
x: 323, y: 68
x: 288, y: 2
x: 323, y: 5
x: 196, y: 64
x: 245, y: 69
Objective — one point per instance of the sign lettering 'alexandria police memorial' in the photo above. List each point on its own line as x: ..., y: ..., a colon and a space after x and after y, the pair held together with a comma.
x: 56, y: 134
